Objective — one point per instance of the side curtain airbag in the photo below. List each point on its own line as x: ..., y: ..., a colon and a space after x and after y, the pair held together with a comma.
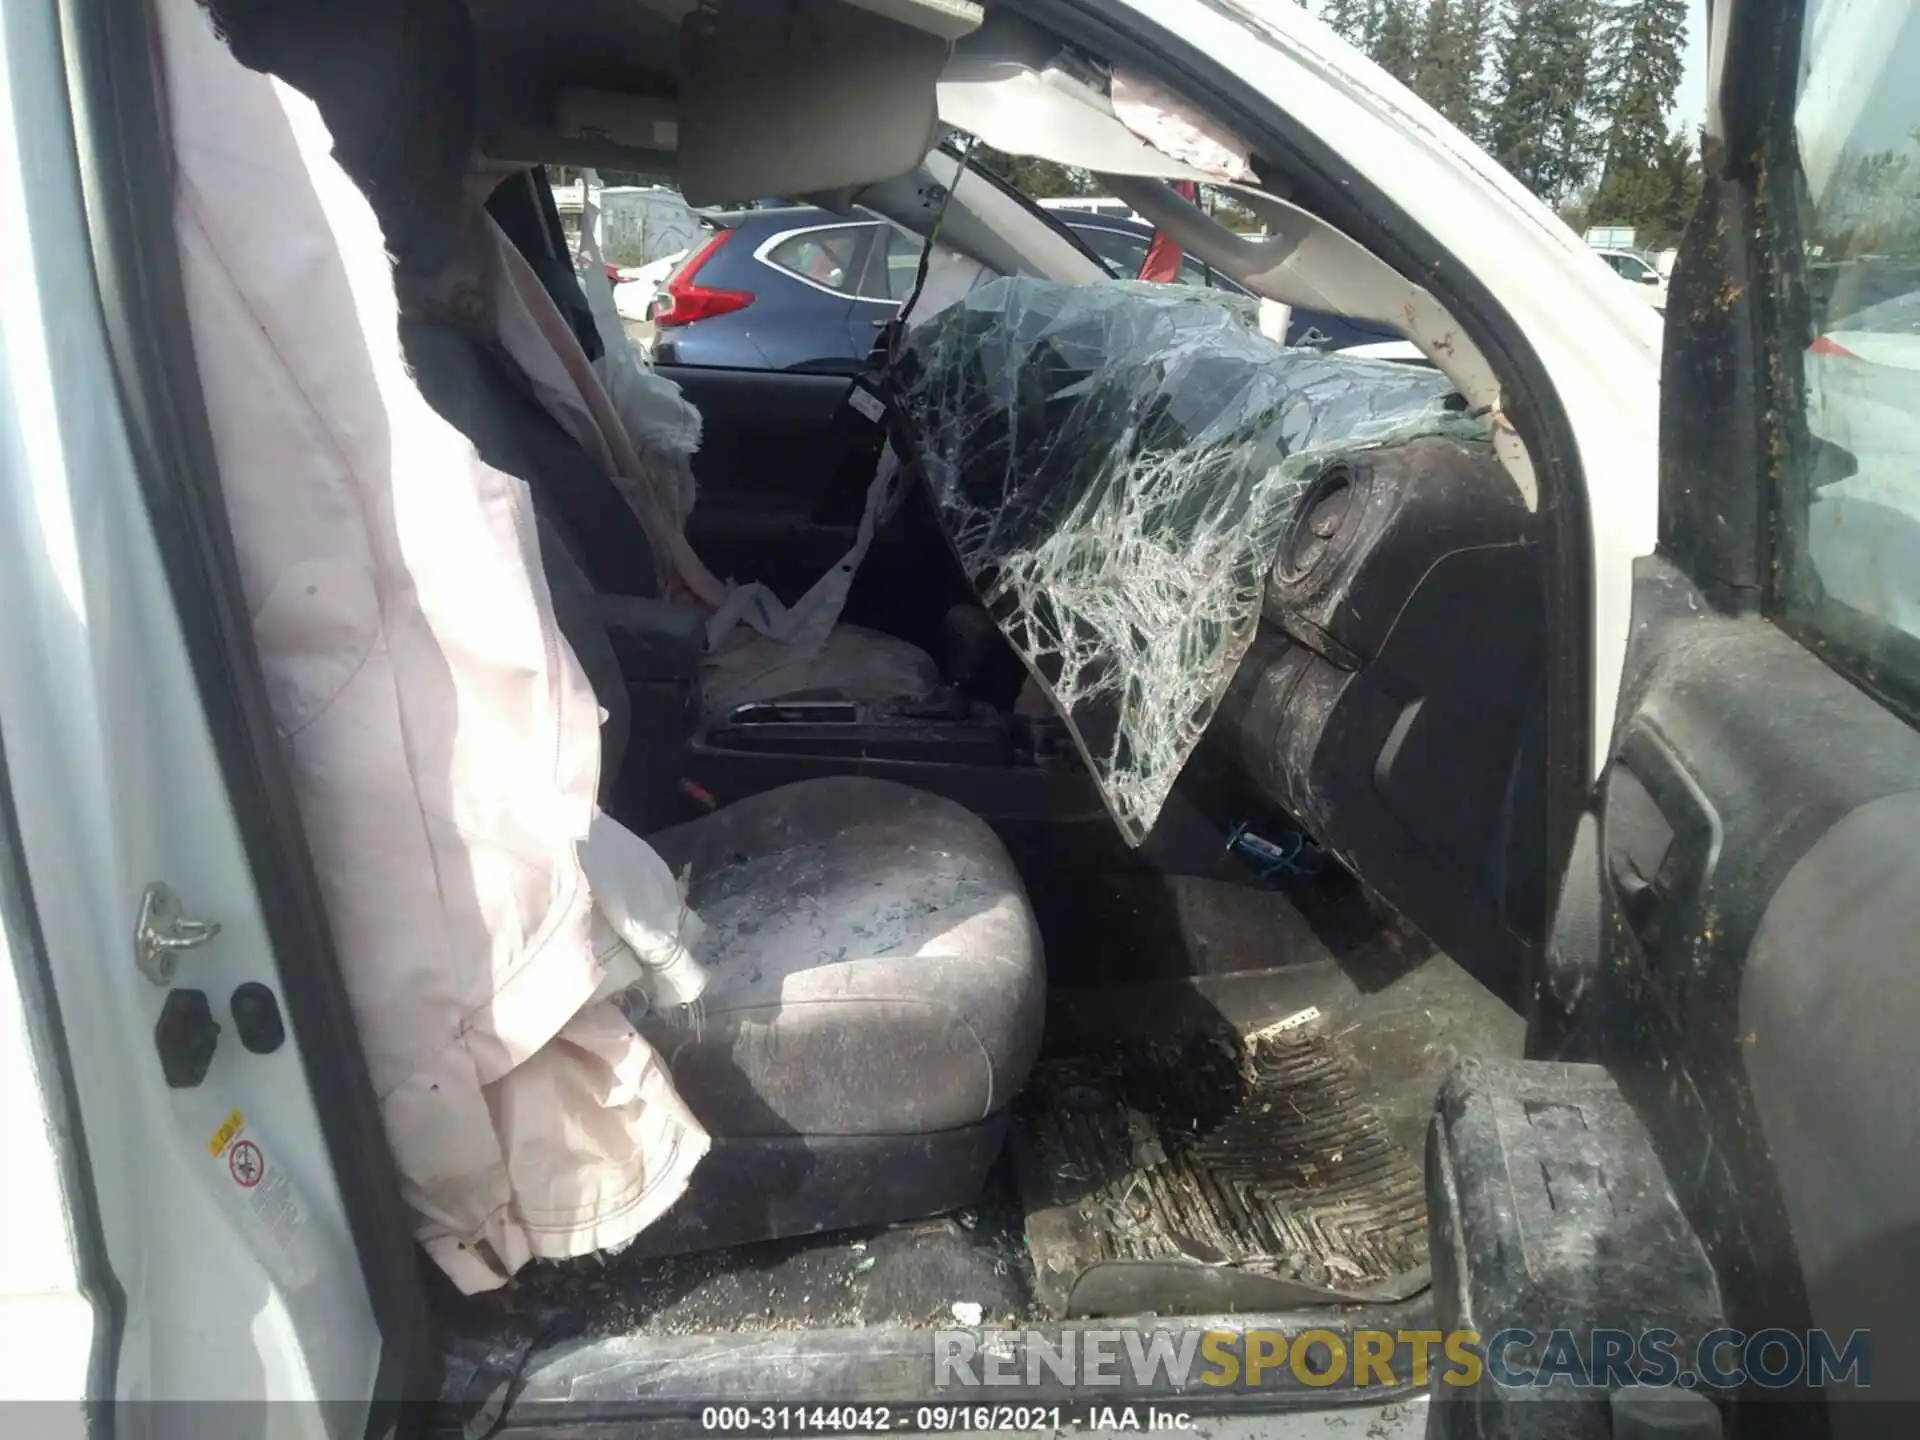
x: 441, y: 735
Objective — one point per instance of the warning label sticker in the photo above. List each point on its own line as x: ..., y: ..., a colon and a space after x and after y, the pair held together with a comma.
x: 246, y: 1165
x: 273, y: 1208
x: 223, y: 1137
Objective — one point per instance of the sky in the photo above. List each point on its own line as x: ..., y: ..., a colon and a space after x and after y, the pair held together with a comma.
x: 1690, y: 104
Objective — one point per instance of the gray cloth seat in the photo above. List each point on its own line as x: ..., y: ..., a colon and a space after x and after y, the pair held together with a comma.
x: 876, y: 991
x: 877, y: 994
x: 875, y: 1000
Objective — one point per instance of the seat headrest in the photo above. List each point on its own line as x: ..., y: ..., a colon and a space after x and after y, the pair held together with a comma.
x: 394, y: 80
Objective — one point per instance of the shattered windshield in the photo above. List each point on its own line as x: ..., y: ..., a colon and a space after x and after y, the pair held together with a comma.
x: 1115, y: 465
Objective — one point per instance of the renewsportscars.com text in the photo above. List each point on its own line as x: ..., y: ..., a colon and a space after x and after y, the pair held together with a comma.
x: 1181, y: 1359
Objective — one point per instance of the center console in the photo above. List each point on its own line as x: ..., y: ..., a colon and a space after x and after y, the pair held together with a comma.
x: 1001, y: 766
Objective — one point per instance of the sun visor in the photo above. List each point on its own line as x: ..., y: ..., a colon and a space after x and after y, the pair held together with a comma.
x: 1013, y: 85
x: 1048, y: 113
x: 805, y: 96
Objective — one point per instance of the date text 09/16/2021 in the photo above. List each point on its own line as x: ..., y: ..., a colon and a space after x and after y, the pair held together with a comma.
x: 936, y: 1419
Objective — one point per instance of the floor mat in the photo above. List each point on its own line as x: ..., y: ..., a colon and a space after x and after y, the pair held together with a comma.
x: 1215, y: 1171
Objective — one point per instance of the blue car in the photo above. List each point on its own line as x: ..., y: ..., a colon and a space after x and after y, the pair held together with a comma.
x: 1122, y: 247
x: 795, y: 288
x: 801, y: 288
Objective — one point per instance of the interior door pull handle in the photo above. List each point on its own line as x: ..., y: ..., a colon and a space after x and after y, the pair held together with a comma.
x: 1639, y: 897
x: 1662, y: 837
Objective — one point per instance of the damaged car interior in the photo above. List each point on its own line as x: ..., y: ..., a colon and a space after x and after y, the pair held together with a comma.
x: 1111, y: 757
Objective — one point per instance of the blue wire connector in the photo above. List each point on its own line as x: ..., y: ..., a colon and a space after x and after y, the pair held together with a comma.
x: 1269, y: 859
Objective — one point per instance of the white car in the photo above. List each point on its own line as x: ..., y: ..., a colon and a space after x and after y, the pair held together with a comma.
x: 1647, y: 281
x: 637, y: 286
x: 1445, y: 969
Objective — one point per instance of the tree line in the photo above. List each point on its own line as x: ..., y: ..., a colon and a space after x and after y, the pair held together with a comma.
x: 1572, y: 96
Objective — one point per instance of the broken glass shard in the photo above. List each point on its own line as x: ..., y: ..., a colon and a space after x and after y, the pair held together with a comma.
x: 1115, y: 465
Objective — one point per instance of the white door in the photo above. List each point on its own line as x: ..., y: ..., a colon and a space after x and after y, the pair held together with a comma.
x: 190, y: 1229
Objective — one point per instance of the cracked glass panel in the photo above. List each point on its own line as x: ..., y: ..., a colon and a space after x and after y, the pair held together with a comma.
x: 1115, y: 465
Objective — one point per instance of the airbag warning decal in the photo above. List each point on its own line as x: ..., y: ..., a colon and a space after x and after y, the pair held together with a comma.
x: 246, y: 1165
x: 223, y: 1137
x: 272, y: 1209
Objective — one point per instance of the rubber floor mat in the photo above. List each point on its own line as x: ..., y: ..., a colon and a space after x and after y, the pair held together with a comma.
x: 1215, y: 1173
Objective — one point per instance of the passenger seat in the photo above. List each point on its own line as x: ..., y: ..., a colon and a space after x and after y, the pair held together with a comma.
x: 876, y: 1000
x: 876, y: 991
x: 397, y: 90
x: 481, y: 393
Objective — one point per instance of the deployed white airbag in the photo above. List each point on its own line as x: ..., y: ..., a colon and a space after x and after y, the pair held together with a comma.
x: 441, y: 736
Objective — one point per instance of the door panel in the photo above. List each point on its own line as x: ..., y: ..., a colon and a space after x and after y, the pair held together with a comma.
x: 1742, y: 759
x: 1740, y: 945
x: 783, y: 470
x: 249, y: 1207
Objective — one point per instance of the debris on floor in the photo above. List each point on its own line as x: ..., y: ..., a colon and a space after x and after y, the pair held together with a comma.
x: 895, y: 1276
x: 1251, y: 1159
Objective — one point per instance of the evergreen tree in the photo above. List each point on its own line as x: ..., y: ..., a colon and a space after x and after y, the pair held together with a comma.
x: 1434, y: 56
x: 1538, y: 125
x: 1452, y: 55
x: 1656, y: 198
x: 1396, y: 46
x: 1640, y: 48
x: 1647, y: 176
x: 1682, y: 177
x: 1473, y: 24
x: 1355, y: 20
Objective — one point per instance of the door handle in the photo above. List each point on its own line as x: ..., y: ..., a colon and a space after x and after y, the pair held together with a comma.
x: 1661, y: 835
x: 1639, y: 896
